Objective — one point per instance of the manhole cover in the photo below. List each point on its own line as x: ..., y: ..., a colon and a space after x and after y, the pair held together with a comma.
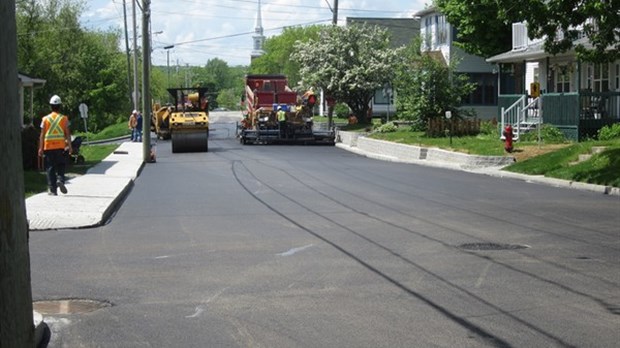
x: 74, y: 306
x: 492, y: 246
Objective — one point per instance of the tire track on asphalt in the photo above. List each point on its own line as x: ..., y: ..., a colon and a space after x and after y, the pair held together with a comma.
x: 475, y: 329
x: 602, y: 302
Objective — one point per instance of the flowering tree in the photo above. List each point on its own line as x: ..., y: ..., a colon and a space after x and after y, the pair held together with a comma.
x: 348, y: 63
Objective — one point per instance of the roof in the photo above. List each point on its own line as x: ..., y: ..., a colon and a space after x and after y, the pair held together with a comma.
x: 28, y: 81
x: 534, y: 52
x: 425, y: 12
x: 402, y: 30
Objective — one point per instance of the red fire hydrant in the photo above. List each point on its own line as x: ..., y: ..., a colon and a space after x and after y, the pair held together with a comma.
x: 508, y: 138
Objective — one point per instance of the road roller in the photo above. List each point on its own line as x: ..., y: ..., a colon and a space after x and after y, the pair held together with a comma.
x: 185, y: 121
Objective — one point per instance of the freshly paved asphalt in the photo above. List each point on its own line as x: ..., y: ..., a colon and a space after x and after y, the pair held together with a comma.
x: 291, y: 246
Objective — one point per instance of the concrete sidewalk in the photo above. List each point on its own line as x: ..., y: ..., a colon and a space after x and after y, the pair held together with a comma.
x: 91, y: 198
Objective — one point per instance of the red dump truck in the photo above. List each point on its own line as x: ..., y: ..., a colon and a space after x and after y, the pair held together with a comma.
x: 264, y: 96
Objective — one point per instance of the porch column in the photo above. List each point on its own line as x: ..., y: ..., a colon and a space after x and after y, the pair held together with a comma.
x: 21, y: 104
x: 578, y: 75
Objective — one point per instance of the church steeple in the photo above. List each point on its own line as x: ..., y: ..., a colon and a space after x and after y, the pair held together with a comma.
x: 258, y: 36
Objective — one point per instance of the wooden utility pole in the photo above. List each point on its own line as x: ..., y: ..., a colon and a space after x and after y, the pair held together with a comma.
x: 127, y: 51
x: 135, y: 56
x: 146, y: 80
x: 16, y: 325
x: 335, y: 19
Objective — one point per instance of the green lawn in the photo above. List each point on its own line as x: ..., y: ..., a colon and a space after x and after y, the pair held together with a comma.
x: 110, y: 132
x: 485, y: 145
x: 602, y: 169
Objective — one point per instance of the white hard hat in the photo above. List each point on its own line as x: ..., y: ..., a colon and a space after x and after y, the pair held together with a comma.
x: 55, y: 100
x: 134, y: 112
x: 279, y: 107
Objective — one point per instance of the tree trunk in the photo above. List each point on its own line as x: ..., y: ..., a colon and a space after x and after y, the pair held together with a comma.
x: 16, y: 326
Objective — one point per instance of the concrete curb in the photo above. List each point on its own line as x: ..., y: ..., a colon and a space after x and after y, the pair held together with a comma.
x: 39, y: 328
x: 489, y: 165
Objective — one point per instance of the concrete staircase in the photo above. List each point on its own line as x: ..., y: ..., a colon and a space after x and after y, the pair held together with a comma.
x: 584, y: 157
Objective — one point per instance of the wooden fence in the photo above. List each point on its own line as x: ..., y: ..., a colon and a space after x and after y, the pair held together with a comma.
x: 441, y: 127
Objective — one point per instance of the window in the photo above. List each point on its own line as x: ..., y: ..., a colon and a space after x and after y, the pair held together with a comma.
x: 563, y: 77
x: 380, y: 99
x: 618, y: 77
x: 600, y: 79
x: 485, y: 92
x: 441, y: 32
x: 428, y: 22
x: 455, y: 33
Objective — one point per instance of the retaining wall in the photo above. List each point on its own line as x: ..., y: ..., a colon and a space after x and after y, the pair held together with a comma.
x: 411, y: 153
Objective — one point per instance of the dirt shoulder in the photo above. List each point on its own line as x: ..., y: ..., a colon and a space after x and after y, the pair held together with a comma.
x: 526, y: 152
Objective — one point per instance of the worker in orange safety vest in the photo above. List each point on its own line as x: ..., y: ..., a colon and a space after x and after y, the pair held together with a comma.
x: 55, y: 146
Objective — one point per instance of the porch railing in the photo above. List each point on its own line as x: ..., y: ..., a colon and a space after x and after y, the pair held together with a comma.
x: 599, y: 105
x: 523, y: 115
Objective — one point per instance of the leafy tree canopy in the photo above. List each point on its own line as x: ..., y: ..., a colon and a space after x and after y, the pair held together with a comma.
x: 563, y: 22
x: 481, y: 31
x: 79, y: 65
x: 348, y: 63
x: 484, y: 26
x: 278, y: 50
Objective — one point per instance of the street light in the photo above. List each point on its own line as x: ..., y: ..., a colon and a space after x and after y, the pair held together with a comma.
x: 167, y: 48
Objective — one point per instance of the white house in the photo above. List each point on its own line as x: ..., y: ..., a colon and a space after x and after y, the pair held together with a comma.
x: 438, y: 38
x: 577, y: 97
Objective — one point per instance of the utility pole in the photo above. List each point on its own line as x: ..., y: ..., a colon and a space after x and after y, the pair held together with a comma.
x: 16, y: 328
x: 146, y: 80
x: 335, y: 19
x: 135, y: 56
x: 127, y: 50
x: 168, y: 48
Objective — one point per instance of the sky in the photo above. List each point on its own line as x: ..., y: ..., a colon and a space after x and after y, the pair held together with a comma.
x: 201, y: 30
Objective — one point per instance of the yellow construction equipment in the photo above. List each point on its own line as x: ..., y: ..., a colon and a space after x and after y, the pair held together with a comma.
x: 186, y: 121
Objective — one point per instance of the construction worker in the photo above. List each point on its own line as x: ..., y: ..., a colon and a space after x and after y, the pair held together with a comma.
x: 132, y: 123
x: 281, y: 115
x: 55, y: 146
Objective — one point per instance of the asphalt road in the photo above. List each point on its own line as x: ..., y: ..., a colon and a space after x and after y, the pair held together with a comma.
x: 294, y: 246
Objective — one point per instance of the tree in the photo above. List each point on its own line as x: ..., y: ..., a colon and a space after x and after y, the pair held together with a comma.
x: 348, y: 63
x: 16, y: 329
x: 278, y: 50
x: 79, y: 65
x: 228, y: 98
x: 427, y: 87
x: 484, y: 26
x: 564, y: 21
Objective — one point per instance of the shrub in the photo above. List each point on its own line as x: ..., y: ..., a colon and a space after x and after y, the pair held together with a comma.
x: 609, y: 132
x: 548, y: 133
x: 341, y: 110
x: 489, y: 128
x: 387, y: 128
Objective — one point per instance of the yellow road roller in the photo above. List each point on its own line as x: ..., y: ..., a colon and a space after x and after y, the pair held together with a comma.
x: 186, y: 121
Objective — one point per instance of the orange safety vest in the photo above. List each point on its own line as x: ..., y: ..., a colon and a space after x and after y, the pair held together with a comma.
x: 54, y: 129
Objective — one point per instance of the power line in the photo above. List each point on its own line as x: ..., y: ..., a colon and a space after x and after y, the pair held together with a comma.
x: 250, y: 32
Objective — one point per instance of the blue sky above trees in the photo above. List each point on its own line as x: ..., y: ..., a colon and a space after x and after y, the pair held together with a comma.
x: 204, y: 29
